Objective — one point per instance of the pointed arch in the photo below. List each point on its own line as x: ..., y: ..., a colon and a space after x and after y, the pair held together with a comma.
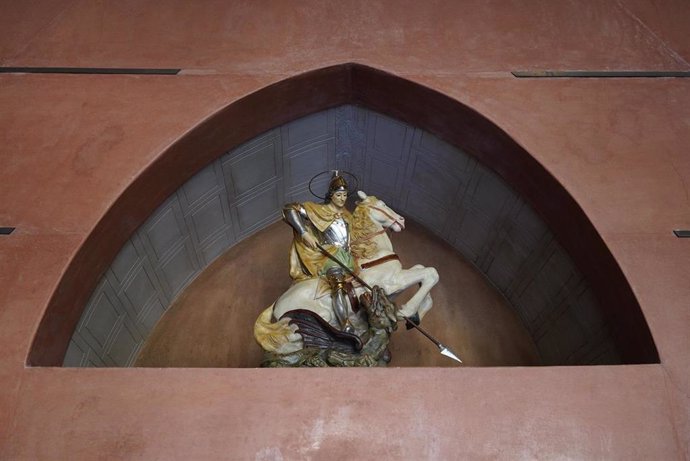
x: 314, y: 91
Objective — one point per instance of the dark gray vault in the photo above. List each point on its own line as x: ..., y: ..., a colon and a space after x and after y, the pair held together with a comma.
x: 427, y: 155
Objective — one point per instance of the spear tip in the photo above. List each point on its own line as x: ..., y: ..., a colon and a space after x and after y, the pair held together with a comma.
x: 448, y: 353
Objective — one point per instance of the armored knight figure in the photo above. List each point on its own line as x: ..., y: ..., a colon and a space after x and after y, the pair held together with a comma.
x: 327, y: 225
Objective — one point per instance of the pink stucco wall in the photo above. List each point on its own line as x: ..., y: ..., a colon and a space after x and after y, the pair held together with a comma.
x: 72, y: 144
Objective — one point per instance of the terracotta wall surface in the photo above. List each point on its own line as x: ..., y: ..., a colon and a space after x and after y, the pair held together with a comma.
x: 71, y: 145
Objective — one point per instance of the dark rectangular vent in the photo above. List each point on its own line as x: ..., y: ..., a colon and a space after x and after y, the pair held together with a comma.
x: 87, y: 70
x: 682, y: 233
x: 6, y: 230
x: 600, y: 74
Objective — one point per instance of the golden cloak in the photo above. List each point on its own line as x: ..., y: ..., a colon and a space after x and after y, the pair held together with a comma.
x: 306, y: 263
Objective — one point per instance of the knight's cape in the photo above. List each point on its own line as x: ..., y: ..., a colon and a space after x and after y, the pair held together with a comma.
x: 306, y: 263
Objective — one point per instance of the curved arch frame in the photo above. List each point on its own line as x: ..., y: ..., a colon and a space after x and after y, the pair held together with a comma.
x: 319, y: 90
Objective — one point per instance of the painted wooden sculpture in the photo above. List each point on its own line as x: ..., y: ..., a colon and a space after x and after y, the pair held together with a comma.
x: 338, y: 311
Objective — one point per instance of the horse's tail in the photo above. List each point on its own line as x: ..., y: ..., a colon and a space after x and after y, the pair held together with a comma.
x: 278, y: 337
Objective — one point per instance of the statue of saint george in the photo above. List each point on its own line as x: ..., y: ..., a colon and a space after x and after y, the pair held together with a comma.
x: 349, y: 256
x: 319, y: 228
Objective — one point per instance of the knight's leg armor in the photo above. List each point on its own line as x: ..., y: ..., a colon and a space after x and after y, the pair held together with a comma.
x: 341, y: 305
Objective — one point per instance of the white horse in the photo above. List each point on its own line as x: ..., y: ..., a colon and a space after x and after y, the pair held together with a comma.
x: 379, y: 267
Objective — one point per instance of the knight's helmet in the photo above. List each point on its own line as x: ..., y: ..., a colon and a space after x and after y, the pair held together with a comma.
x: 337, y: 183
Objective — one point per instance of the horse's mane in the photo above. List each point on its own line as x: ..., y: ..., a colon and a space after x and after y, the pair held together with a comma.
x: 362, y: 228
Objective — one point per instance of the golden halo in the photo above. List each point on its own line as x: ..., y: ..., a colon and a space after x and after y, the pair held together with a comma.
x: 350, y: 189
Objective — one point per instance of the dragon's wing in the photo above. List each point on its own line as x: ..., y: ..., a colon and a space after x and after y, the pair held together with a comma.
x: 318, y: 333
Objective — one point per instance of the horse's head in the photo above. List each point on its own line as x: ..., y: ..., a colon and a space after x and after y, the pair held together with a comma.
x: 380, y: 213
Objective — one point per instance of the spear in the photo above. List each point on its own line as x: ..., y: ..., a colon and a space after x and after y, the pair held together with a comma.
x: 443, y: 349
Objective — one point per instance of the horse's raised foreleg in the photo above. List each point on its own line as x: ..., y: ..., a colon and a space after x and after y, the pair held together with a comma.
x: 425, y: 305
x: 421, y: 301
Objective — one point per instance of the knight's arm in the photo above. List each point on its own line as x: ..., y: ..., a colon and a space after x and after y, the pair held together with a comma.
x: 294, y: 214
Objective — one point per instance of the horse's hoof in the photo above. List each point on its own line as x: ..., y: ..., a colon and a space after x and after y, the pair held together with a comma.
x: 413, y: 319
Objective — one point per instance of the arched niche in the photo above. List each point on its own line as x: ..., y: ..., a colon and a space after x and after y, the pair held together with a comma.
x: 316, y: 91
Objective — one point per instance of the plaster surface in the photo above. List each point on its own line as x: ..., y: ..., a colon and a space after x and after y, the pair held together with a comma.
x: 447, y: 414
x: 72, y: 144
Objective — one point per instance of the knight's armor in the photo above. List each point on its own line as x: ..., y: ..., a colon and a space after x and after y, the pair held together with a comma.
x: 336, y: 234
